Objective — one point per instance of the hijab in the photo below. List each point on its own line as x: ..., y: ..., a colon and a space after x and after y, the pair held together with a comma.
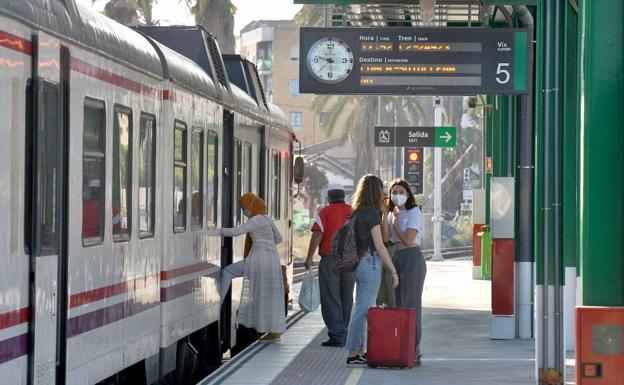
x: 256, y: 206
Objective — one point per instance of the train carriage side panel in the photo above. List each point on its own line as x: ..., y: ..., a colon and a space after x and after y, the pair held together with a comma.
x: 279, y: 161
x: 279, y: 141
x: 114, y: 259
x: 15, y: 69
x: 191, y: 259
x: 191, y: 171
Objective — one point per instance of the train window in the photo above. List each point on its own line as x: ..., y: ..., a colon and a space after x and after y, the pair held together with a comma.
x: 179, y: 178
x: 197, y: 179
x: 248, y: 169
x: 238, y: 152
x: 285, y: 184
x: 93, y: 172
x: 275, y: 190
x: 48, y: 171
x: 147, y: 178
x: 122, y: 171
x: 211, y: 180
x: 28, y: 141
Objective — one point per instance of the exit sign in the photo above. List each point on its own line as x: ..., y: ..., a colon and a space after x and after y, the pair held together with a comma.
x: 389, y: 136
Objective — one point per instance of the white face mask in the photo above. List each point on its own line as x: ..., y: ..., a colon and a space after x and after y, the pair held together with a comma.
x: 399, y: 200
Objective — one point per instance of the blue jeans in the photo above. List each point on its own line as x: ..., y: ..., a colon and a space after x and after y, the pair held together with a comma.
x: 367, y: 280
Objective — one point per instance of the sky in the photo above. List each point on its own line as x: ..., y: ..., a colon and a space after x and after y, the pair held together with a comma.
x: 175, y: 11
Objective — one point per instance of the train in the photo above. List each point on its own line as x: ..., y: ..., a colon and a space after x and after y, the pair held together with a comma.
x: 121, y: 148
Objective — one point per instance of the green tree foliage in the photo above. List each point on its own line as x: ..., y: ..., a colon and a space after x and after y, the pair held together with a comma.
x: 130, y: 12
x: 217, y: 16
x: 314, y: 183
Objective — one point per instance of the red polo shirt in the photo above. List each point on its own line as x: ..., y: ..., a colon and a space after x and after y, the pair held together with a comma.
x: 330, y: 219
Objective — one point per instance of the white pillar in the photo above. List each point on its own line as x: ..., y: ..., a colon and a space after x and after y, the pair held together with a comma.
x: 569, y: 308
x: 437, y: 189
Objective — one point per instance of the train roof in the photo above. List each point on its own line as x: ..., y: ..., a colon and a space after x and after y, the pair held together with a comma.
x: 184, y: 72
x: 197, y: 44
x: 199, y: 68
x: 243, y: 73
x: 87, y: 28
x: 279, y: 117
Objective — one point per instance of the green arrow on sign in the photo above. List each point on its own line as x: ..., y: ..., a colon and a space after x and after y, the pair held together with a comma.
x: 445, y: 137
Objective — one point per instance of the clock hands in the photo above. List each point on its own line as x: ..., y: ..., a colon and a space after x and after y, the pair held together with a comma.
x: 327, y: 59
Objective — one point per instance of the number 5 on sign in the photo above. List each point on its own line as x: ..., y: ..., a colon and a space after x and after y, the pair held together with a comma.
x: 502, y: 75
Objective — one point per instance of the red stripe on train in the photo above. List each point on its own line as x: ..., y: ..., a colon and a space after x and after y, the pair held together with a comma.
x: 15, y: 43
x: 112, y: 290
x: 13, y: 318
x: 169, y: 274
x: 111, y: 78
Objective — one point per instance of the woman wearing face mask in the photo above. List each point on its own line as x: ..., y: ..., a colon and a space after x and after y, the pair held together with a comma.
x: 262, y: 300
x: 404, y: 228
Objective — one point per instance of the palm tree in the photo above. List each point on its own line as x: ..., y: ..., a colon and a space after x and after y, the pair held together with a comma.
x: 314, y: 182
x: 217, y: 16
x: 361, y: 115
x: 129, y: 12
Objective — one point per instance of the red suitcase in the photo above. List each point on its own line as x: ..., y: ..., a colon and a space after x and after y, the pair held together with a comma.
x: 391, y: 337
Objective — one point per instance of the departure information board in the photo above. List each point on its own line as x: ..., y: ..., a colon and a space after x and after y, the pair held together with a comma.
x: 414, y: 61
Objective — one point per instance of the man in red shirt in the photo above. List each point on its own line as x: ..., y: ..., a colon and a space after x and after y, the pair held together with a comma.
x: 336, y: 289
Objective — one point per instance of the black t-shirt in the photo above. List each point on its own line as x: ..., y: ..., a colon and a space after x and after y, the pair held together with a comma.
x: 365, y: 220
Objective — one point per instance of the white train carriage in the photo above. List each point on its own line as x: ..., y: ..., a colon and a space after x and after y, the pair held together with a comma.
x: 121, y: 153
x: 15, y: 70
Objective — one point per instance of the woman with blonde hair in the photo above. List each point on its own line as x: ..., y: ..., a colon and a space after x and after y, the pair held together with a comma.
x: 262, y: 300
x: 368, y: 206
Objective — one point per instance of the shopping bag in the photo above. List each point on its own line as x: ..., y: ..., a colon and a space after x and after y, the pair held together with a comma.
x: 309, y: 296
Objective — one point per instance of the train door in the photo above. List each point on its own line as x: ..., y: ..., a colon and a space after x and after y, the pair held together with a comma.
x: 226, y: 218
x: 48, y: 207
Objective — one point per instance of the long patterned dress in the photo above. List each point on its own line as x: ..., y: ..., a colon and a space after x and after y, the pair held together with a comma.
x: 262, y: 300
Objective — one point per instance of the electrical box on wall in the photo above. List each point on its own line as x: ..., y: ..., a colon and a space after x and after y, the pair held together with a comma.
x: 478, y: 206
x: 502, y: 190
x: 599, y: 345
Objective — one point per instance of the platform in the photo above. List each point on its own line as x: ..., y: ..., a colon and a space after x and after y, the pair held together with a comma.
x: 456, y: 345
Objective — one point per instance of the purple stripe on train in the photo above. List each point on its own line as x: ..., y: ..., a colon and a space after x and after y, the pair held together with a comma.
x: 98, y: 318
x: 13, y: 348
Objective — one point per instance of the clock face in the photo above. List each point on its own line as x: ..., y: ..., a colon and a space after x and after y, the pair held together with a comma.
x: 330, y: 60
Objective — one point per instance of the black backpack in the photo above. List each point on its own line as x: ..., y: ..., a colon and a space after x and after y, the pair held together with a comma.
x: 344, y: 248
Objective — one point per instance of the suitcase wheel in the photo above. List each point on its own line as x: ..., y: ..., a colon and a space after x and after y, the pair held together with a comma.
x: 372, y: 366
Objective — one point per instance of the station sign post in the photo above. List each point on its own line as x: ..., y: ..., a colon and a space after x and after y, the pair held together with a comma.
x: 414, y: 61
x: 390, y: 136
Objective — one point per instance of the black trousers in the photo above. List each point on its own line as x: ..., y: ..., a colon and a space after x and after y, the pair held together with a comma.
x: 336, y: 290
x: 412, y: 269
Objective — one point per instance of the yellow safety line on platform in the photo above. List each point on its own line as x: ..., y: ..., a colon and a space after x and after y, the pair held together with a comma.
x: 354, y: 377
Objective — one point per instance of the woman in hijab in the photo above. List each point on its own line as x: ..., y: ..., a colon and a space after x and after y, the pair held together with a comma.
x: 262, y: 300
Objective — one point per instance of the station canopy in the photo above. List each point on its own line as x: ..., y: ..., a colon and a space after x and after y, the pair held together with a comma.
x: 414, y: 13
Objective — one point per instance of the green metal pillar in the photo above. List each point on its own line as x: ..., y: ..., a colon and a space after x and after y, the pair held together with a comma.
x: 570, y: 127
x: 570, y: 171
x: 602, y: 148
x: 488, y: 148
x: 548, y: 197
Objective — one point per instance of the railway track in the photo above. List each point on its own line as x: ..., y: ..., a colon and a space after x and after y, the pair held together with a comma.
x: 448, y: 253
